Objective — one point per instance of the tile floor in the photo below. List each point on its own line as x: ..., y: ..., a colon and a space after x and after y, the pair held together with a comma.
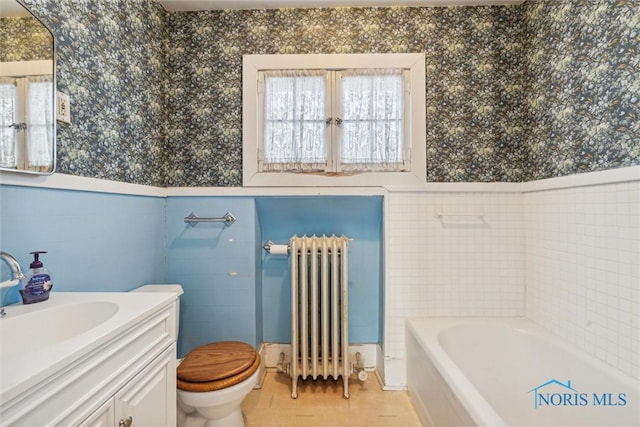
x: 320, y: 403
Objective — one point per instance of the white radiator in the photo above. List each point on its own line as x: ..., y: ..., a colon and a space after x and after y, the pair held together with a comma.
x: 319, y: 309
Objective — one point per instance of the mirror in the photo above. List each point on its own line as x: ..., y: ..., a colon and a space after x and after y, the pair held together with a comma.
x: 27, y: 92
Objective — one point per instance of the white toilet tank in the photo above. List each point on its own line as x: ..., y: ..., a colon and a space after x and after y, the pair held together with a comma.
x: 168, y: 288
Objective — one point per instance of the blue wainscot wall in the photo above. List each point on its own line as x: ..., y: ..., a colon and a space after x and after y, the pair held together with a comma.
x: 234, y: 290
x: 95, y: 241
x: 359, y: 218
x: 216, y: 266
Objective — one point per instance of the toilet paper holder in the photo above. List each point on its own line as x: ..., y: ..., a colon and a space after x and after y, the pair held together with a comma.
x: 268, y: 245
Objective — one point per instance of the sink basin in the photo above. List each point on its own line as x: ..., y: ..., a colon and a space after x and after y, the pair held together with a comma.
x: 29, y: 332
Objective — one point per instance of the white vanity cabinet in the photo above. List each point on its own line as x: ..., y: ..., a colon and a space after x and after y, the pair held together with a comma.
x: 123, y: 367
x: 104, y: 416
x: 148, y: 400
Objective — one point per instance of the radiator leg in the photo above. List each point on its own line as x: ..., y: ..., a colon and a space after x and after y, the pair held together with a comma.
x: 294, y: 387
x: 345, y: 385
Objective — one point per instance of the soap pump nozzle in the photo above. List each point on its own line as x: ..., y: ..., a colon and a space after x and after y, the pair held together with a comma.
x: 36, y: 259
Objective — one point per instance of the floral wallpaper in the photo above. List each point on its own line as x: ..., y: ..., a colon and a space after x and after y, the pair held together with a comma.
x: 513, y: 92
x: 582, y: 86
x: 474, y: 81
x: 111, y: 61
x: 24, y: 39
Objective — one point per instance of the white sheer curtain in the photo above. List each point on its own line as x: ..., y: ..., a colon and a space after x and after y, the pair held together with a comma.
x: 295, y: 133
x: 371, y: 133
x: 8, y: 100
x: 369, y: 110
x: 39, y: 119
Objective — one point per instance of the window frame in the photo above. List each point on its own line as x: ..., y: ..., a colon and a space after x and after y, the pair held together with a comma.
x: 252, y: 122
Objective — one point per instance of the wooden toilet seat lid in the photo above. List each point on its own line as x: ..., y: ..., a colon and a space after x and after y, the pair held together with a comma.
x: 217, y: 361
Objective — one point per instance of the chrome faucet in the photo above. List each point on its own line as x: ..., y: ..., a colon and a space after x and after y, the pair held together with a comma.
x: 16, y: 273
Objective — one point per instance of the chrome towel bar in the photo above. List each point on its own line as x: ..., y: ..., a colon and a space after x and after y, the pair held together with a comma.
x: 194, y: 219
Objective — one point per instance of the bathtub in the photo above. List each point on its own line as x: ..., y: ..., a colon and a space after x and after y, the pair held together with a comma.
x: 511, y: 372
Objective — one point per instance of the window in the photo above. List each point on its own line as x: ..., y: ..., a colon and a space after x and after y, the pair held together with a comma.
x: 294, y: 111
x: 26, y: 116
x: 333, y: 119
x: 371, y: 119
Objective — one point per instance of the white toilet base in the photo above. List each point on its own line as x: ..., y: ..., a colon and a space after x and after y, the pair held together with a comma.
x: 219, y: 408
x: 191, y: 420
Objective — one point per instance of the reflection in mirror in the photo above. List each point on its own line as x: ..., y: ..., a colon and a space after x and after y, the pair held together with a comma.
x: 27, y: 91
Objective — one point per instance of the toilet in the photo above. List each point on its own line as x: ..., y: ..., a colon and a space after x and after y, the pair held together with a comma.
x: 213, y: 379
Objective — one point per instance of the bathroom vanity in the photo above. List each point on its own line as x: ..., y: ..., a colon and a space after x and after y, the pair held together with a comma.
x: 89, y: 359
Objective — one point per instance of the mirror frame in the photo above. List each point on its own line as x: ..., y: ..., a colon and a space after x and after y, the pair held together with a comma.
x: 55, y: 103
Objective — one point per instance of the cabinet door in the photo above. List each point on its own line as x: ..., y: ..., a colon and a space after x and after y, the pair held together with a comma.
x: 150, y: 397
x: 101, y: 417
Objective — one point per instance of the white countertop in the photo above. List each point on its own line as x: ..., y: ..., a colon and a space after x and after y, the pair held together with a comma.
x: 48, y: 348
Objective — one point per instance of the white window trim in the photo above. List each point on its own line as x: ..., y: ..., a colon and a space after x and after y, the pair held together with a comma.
x: 26, y: 68
x: 252, y: 64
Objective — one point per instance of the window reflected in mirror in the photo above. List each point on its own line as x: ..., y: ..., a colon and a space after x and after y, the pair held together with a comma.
x: 27, y: 91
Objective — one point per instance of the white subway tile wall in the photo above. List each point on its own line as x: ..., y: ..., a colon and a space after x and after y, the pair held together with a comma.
x: 571, y: 256
x: 453, y: 254
x: 582, y: 257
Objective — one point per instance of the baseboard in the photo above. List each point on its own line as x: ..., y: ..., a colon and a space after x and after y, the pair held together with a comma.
x: 263, y: 369
x: 395, y: 374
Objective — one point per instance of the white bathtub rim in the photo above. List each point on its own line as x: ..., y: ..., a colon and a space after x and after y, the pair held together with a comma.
x: 475, y: 403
